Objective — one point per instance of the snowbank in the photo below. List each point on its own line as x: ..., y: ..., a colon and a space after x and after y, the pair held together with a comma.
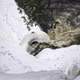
x: 13, y: 59
x: 46, y: 75
x: 65, y: 59
x: 78, y: 78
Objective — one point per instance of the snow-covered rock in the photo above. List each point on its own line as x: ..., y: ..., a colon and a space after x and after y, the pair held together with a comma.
x: 33, y: 36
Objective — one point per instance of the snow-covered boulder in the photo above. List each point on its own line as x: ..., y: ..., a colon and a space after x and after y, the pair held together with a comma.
x: 32, y: 36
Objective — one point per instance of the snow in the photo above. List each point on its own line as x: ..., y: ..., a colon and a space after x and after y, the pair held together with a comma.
x: 15, y: 60
x: 46, y: 75
x: 78, y: 78
x: 65, y: 59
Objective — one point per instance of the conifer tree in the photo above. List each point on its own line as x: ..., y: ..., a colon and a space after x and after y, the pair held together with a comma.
x: 45, y: 11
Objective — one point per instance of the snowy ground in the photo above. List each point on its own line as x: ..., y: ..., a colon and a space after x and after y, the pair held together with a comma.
x: 46, y: 75
x: 14, y: 59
